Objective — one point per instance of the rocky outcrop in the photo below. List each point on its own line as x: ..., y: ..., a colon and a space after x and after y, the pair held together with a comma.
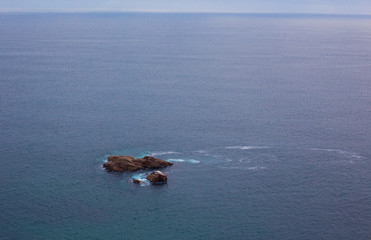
x: 157, y: 177
x: 130, y: 164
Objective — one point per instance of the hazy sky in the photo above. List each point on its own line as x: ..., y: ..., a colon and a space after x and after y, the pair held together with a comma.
x: 263, y: 6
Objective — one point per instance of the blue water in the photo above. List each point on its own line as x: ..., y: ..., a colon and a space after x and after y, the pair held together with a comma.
x: 267, y: 119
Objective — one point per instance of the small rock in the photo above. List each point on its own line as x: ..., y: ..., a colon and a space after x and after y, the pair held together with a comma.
x: 157, y: 177
x: 136, y: 181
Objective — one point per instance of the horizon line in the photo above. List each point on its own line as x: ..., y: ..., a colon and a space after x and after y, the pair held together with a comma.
x: 19, y: 10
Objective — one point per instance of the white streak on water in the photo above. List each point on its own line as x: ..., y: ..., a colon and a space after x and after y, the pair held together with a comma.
x: 255, y: 168
x: 175, y: 160
x: 340, y: 152
x: 162, y: 153
x: 246, y: 147
x: 242, y: 168
x: 183, y: 160
x: 203, y: 152
x: 193, y: 161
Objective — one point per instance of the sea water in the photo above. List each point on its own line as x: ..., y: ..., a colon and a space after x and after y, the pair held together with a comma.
x: 266, y: 118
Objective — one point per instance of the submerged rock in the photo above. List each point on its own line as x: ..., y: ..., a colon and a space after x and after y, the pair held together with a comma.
x: 136, y: 181
x: 130, y: 164
x: 157, y: 177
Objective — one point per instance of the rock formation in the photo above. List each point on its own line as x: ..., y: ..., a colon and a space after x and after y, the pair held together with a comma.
x: 157, y: 177
x: 130, y: 164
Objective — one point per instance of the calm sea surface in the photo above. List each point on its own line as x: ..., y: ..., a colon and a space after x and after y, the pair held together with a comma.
x: 267, y: 118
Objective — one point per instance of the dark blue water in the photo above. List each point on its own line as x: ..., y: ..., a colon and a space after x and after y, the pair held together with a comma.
x: 267, y: 118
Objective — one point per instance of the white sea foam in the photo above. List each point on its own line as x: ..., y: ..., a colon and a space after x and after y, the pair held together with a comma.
x: 201, y: 151
x: 162, y: 153
x: 193, y: 161
x: 340, y: 152
x: 142, y: 178
x: 183, y: 160
x: 255, y: 168
x: 246, y: 147
x: 242, y: 168
x: 175, y: 160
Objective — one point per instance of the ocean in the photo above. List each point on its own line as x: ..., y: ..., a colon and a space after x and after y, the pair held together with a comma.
x: 266, y: 117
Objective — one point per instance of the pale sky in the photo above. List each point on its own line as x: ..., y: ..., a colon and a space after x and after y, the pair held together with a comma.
x: 250, y: 6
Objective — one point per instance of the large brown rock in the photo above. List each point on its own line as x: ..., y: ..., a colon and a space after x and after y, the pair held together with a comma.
x: 157, y: 177
x: 130, y: 164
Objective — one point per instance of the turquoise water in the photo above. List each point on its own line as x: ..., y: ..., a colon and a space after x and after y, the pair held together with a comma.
x: 266, y: 118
